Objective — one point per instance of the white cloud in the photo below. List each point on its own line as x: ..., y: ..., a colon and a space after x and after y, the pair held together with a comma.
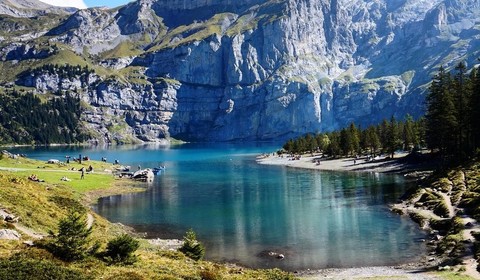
x: 66, y: 3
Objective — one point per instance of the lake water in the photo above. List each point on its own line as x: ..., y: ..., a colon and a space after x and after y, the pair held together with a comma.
x: 241, y: 210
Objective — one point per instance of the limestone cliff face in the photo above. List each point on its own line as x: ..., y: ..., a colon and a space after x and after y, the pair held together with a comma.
x: 229, y: 70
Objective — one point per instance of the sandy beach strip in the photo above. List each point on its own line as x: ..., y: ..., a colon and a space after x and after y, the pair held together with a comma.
x: 380, y: 164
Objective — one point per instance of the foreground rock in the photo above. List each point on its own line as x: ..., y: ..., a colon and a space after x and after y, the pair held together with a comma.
x: 9, y: 234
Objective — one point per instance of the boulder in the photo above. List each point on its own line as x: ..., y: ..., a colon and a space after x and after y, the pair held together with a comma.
x: 9, y: 234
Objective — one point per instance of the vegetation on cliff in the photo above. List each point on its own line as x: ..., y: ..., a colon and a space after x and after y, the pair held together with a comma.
x: 26, y: 119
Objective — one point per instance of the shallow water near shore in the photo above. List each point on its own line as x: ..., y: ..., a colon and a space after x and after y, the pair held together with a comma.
x: 242, y: 211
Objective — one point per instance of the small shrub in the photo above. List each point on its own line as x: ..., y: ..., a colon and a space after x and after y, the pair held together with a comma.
x: 210, y: 273
x: 121, y: 249
x: 457, y: 225
x: 71, y: 242
x: 191, y: 247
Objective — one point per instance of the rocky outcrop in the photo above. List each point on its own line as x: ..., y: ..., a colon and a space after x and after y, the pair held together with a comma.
x: 9, y: 234
x: 257, y: 69
x: 29, y: 8
x: 22, y: 51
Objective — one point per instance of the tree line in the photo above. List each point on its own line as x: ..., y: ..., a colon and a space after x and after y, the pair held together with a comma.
x: 25, y: 119
x: 450, y: 127
x: 453, y: 117
x: 386, y: 137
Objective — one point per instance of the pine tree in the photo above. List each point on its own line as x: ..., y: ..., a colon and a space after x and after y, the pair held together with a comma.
x: 372, y: 140
x: 461, y: 97
x: 475, y: 113
x: 72, y: 239
x: 441, y: 114
x: 383, y: 134
x: 191, y: 247
x: 392, y: 137
x: 354, y: 134
x: 409, y: 134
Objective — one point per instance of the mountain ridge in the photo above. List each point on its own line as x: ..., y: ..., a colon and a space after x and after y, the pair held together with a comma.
x: 257, y: 71
x: 30, y: 8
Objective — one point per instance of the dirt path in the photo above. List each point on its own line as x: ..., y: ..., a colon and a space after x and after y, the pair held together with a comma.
x: 28, y: 231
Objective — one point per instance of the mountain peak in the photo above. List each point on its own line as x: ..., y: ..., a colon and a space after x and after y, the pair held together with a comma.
x: 30, y: 8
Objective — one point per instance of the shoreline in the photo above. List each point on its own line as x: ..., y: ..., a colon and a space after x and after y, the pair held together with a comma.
x: 411, y: 166
x: 381, y: 164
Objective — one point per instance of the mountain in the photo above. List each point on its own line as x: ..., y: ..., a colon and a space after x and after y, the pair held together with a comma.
x: 29, y: 8
x: 226, y: 70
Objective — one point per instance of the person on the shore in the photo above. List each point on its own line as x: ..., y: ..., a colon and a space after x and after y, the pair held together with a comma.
x: 83, y: 173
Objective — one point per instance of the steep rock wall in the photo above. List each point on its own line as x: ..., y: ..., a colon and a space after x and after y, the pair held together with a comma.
x: 250, y: 70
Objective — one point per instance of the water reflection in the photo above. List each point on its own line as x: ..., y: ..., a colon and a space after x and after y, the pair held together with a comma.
x: 242, y: 210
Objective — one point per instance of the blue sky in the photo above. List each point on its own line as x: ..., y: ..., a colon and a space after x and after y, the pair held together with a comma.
x: 108, y: 3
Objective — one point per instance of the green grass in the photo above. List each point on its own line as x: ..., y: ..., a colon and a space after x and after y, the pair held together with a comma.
x: 25, y: 25
x: 52, y: 173
x: 124, y: 49
x: 185, y: 34
x: 407, y: 77
x: 451, y: 275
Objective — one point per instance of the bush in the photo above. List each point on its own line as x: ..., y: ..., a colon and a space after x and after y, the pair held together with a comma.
x: 121, y: 249
x: 72, y: 239
x: 26, y: 269
x: 211, y: 274
x: 191, y: 247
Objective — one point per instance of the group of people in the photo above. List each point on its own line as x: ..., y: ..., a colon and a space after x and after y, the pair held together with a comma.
x: 34, y: 178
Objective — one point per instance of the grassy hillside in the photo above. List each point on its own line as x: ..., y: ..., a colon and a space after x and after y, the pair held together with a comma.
x: 41, y: 205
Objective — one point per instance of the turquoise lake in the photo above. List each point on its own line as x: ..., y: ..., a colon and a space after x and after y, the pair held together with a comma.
x: 242, y: 210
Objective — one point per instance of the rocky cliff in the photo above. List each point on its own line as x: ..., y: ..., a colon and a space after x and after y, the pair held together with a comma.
x: 251, y: 70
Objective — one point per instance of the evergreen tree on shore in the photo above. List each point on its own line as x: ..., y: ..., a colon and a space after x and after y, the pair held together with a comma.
x: 451, y: 125
x: 452, y: 120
